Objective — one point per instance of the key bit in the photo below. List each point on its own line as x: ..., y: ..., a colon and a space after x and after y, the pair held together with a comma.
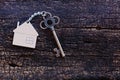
x: 57, y: 52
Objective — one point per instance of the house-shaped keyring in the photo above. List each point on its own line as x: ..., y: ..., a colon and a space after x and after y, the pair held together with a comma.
x: 25, y: 35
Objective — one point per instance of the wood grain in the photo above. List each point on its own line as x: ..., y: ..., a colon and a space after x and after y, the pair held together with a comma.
x: 89, y: 33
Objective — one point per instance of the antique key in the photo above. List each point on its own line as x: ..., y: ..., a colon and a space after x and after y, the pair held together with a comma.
x: 50, y: 22
x: 25, y: 35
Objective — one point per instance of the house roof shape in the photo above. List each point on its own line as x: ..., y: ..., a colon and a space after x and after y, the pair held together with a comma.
x: 26, y: 28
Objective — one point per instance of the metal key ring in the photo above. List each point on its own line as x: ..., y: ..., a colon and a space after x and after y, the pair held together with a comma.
x: 43, y: 13
x: 41, y: 25
x: 47, y: 15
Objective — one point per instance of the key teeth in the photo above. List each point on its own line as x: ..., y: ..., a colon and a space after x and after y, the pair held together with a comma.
x: 58, y: 52
x: 57, y: 55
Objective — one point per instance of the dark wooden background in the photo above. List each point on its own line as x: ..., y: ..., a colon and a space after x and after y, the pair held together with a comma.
x: 89, y: 32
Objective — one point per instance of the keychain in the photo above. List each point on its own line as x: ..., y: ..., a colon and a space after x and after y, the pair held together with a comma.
x: 25, y: 34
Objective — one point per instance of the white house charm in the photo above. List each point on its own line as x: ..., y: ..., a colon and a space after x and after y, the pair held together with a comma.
x: 25, y: 35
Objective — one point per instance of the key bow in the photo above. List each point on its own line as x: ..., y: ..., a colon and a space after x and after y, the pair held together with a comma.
x: 49, y: 22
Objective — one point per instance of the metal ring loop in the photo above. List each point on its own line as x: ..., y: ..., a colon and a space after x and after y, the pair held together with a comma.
x: 47, y: 14
x: 58, y: 19
x: 43, y: 13
x: 42, y: 22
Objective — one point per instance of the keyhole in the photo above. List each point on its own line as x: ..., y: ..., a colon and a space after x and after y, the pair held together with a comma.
x: 49, y: 22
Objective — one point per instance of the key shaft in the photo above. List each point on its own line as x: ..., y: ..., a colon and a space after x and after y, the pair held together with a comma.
x: 58, y: 43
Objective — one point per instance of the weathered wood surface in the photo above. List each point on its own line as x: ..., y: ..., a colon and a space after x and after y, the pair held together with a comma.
x: 89, y: 32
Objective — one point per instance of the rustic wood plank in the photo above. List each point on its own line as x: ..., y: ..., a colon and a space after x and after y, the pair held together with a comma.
x: 88, y: 31
x: 88, y: 51
x: 103, y: 14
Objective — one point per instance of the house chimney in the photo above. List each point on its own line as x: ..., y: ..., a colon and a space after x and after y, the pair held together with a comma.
x: 18, y: 23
